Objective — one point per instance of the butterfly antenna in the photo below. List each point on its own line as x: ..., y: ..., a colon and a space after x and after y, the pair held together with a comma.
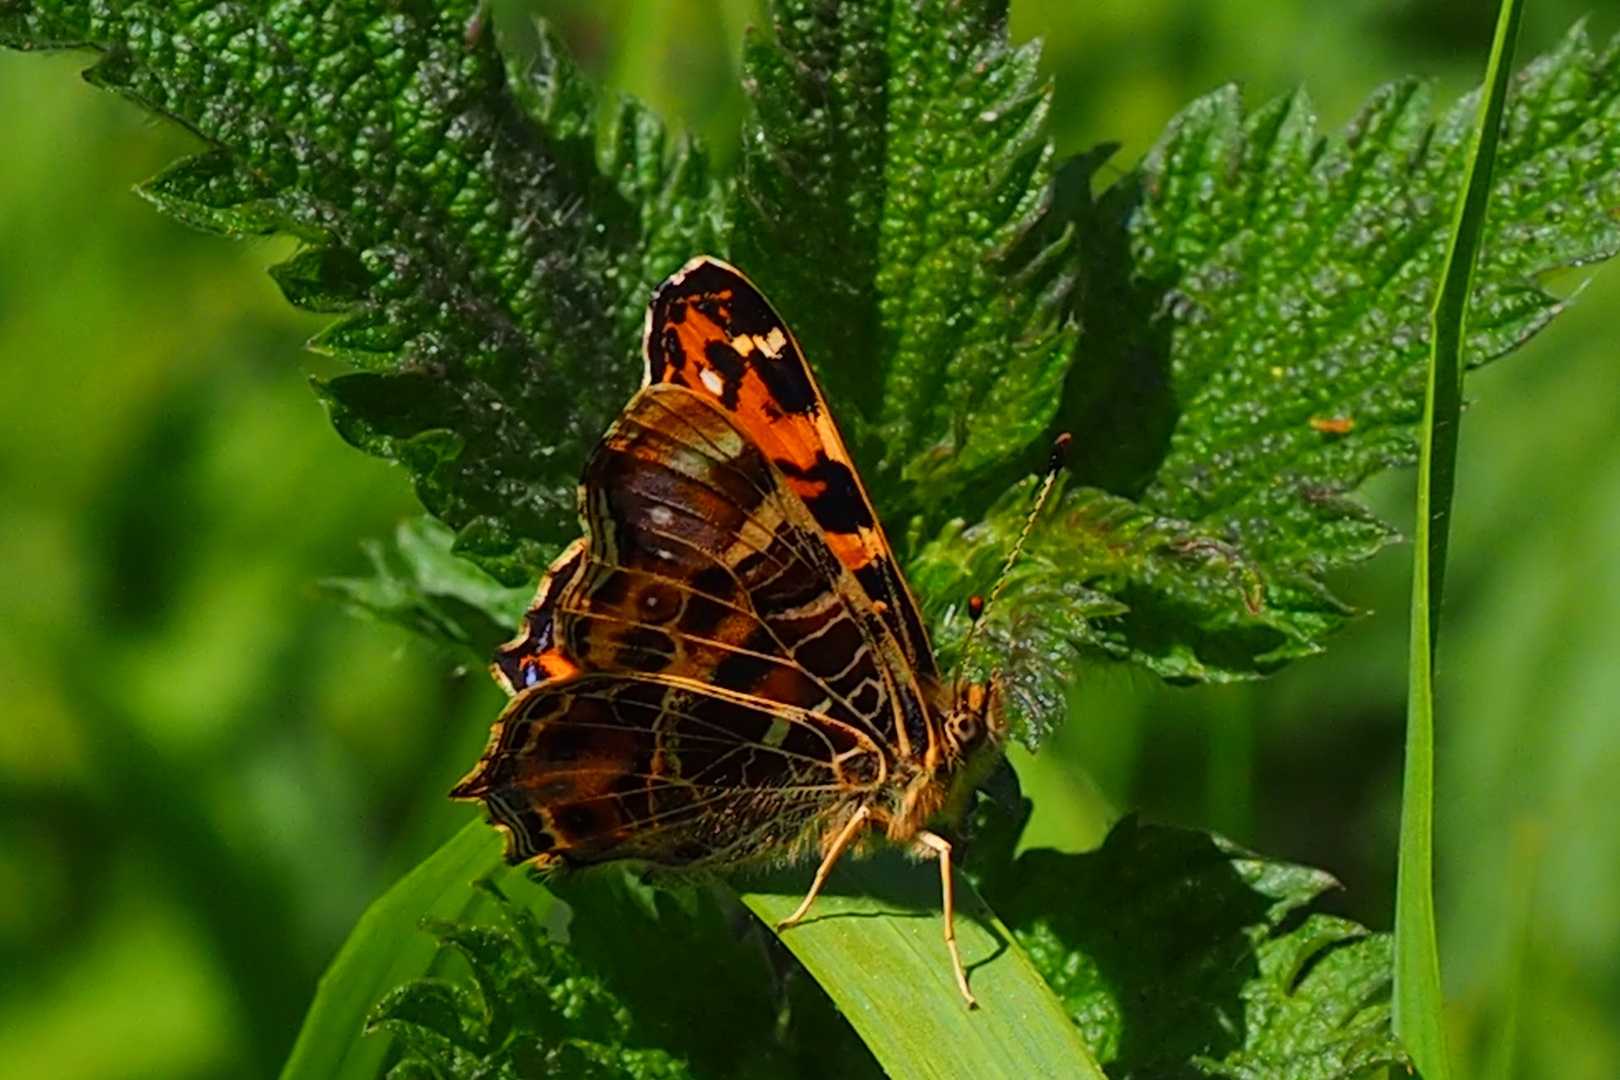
x: 977, y: 606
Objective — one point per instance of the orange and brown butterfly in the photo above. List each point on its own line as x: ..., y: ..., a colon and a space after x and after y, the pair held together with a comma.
x: 728, y: 668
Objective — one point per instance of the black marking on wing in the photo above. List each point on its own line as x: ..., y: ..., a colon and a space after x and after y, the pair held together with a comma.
x: 838, y: 507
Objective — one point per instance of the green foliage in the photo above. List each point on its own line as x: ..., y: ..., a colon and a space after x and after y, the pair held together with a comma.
x: 533, y: 1010
x: 418, y: 583
x: 1254, y: 303
x: 874, y: 940
x: 489, y: 236
x: 1233, y: 331
x: 1181, y: 956
x: 1301, y: 270
x: 1250, y: 299
x: 699, y: 982
x: 895, y: 164
x: 705, y: 981
x: 383, y: 951
x: 1106, y: 574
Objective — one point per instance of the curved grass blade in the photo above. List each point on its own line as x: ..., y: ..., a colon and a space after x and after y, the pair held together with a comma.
x: 384, y: 950
x: 873, y: 941
x: 1418, y: 1005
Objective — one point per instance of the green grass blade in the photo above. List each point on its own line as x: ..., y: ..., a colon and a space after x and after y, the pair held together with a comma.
x: 386, y: 949
x: 1418, y: 1005
x: 874, y: 943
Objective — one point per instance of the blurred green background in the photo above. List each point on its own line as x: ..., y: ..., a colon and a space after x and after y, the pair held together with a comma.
x: 207, y: 770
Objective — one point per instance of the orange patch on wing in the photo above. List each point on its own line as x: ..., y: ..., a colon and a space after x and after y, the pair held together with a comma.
x: 781, y: 410
x: 553, y: 664
x: 710, y: 331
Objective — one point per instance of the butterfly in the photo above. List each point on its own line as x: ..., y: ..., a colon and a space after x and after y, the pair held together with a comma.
x: 728, y: 669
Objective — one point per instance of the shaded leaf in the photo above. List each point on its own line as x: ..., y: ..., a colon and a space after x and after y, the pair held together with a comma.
x: 1294, y: 273
x: 419, y: 584
x: 1181, y: 956
x: 383, y: 951
x: 1105, y: 575
x: 704, y: 980
x: 874, y: 940
x: 895, y: 164
x: 532, y: 1011
x: 492, y: 234
x: 1254, y: 300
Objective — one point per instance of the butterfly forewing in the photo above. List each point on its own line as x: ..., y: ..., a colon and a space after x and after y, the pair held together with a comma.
x: 705, y: 567
x: 711, y: 331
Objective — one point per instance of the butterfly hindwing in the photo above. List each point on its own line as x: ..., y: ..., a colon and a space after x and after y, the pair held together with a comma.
x: 596, y: 767
x: 533, y: 655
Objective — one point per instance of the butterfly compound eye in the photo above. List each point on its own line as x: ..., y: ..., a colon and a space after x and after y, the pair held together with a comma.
x: 965, y: 729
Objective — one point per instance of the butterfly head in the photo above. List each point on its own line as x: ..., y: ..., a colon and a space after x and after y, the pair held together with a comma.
x: 970, y: 734
x: 972, y: 725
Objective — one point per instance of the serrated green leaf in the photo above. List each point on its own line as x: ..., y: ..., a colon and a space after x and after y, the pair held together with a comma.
x: 495, y: 257
x: 418, y: 583
x: 1181, y: 956
x: 688, y: 969
x: 491, y: 237
x: 444, y: 1008
x: 1296, y: 272
x: 895, y: 165
x: 208, y: 191
x: 1254, y: 305
x: 704, y: 980
x: 1104, y: 575
x: 533, y: 1011
x: 327, y: 280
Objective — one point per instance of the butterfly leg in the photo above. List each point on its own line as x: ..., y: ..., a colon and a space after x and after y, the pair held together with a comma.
x: 941, y: 849
x: 845, y: 837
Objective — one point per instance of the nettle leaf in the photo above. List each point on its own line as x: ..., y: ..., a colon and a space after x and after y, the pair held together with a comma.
x: 706, y: 981
x: 623, y: 979
x: 1254, y: 307
x: 1301, y: 272
x: 532, y: 1010
x: 1181, y: 956
x: 895, y: 169
x: 1104, y: 574
x: 1298, y: 273
x: 490, y: 234
x: 418, y: 583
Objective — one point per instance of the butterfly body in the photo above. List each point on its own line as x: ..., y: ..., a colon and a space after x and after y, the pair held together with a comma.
x: 728, y: 668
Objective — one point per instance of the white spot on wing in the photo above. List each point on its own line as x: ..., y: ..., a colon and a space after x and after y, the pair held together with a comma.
x: 660, y: 515
x: 774, y: 342
x: 711, y: 378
